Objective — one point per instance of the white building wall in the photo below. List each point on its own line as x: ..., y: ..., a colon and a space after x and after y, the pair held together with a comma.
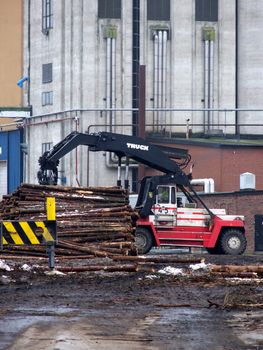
x: 250, y: 52
x: 226, y: 63
x: 76, y: 46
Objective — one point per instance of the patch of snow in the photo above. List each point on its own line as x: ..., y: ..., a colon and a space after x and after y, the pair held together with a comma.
x: 200, y: 266
x: 151, y: 277
x: 168, y: 270
x: 4, y: 266
x: 54, y: 272
x: 26, y: 267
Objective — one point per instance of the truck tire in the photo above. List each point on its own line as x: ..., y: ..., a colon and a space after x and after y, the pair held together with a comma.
x: 143, y: 240
x: 233, y: 242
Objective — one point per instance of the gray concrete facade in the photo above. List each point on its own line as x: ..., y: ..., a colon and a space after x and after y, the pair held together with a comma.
x: 79, y: 44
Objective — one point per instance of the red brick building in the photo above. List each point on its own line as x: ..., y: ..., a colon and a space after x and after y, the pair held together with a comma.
x: 247, y: 203
x: 223, y: 162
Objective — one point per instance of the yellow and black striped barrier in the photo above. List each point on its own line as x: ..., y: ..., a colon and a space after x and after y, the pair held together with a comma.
x: 28, y: 232
x: 32, y: 232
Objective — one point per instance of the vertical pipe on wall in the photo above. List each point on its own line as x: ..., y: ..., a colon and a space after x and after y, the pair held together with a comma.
x: 29, y: 51
x: 160, y: 71
x: 155, y: 83
x: 108, y: 80
x: 237, y: 130
x: 135, y: 76
x: 135, y: 62
x: 164, y: 74
x: 211, y: 83
x: 206, y: 83
x: 113, y: 83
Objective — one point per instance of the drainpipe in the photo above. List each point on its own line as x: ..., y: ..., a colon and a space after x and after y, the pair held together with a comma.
x: 209, y: 38
x: 160, y: 71
x: 29, y: 52
x: 237, y: 130
x: 135, y: 76
x: 111, y: 34
x: 206, y: 84
x: 108, y: 80
x: 164, y: 74
x: 155, y: 89
x: 211, y: 83
x: 113, y: 83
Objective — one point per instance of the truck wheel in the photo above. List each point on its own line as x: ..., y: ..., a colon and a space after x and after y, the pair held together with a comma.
x: 143, y: 240
x: 233, y: 242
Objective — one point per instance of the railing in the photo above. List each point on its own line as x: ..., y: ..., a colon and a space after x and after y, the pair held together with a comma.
x: 187, y: 122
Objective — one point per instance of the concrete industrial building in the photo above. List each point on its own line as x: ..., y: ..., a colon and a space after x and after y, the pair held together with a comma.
x: 82, y: 58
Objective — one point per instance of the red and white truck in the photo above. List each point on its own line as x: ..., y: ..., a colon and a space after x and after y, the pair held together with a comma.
x: 172, y: 223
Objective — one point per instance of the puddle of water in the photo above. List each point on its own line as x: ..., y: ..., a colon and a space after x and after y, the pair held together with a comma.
x: 197, y: 329
x: 249, y: 327
x: 21, y: 318
x: 185, y: 328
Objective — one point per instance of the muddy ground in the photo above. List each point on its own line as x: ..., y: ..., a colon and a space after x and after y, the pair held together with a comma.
x: 139, y: 310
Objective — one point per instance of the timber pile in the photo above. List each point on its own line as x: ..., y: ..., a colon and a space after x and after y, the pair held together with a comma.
x: 94, y: 221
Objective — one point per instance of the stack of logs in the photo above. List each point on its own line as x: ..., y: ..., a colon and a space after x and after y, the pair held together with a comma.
x: 90, y: 221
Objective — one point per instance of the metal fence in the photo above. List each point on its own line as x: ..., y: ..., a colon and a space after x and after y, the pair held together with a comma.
x: 187, y: 122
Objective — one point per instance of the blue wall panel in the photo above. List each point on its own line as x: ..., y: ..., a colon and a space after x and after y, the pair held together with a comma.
x: 14, y: 160
x: 10, y: 144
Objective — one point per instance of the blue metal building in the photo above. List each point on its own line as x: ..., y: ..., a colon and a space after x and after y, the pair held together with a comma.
x: 11, y: 160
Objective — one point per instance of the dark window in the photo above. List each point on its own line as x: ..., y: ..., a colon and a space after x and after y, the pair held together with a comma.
x: 158, y: 10
x: 47, y: 73
x: 206, y: 10
x: 47, y: 15
x: 173, y: 195
x: 47, y: 98
x: 109, y: 9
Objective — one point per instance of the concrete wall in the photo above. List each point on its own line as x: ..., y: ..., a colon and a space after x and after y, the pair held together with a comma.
x: 11, y: 24
x: 239, y: 203
x: 76, y: 47
x: 250, y: 51
x: 185, y: 63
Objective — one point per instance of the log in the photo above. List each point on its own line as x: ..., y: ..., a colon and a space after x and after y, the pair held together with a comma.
x: 158, y: 259
x: 236, y: 274
x: 231, y: 269
x: 89, y: 268
x: 107, y: 268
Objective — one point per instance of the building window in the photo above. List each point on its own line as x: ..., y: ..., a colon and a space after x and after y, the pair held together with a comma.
x: 47, y: 98
x: 206, y: 10
x: 47, y: 16
x: 109, y: 8
x: 46, y: 146
x: 47, y: 73
x: 158, y: 10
